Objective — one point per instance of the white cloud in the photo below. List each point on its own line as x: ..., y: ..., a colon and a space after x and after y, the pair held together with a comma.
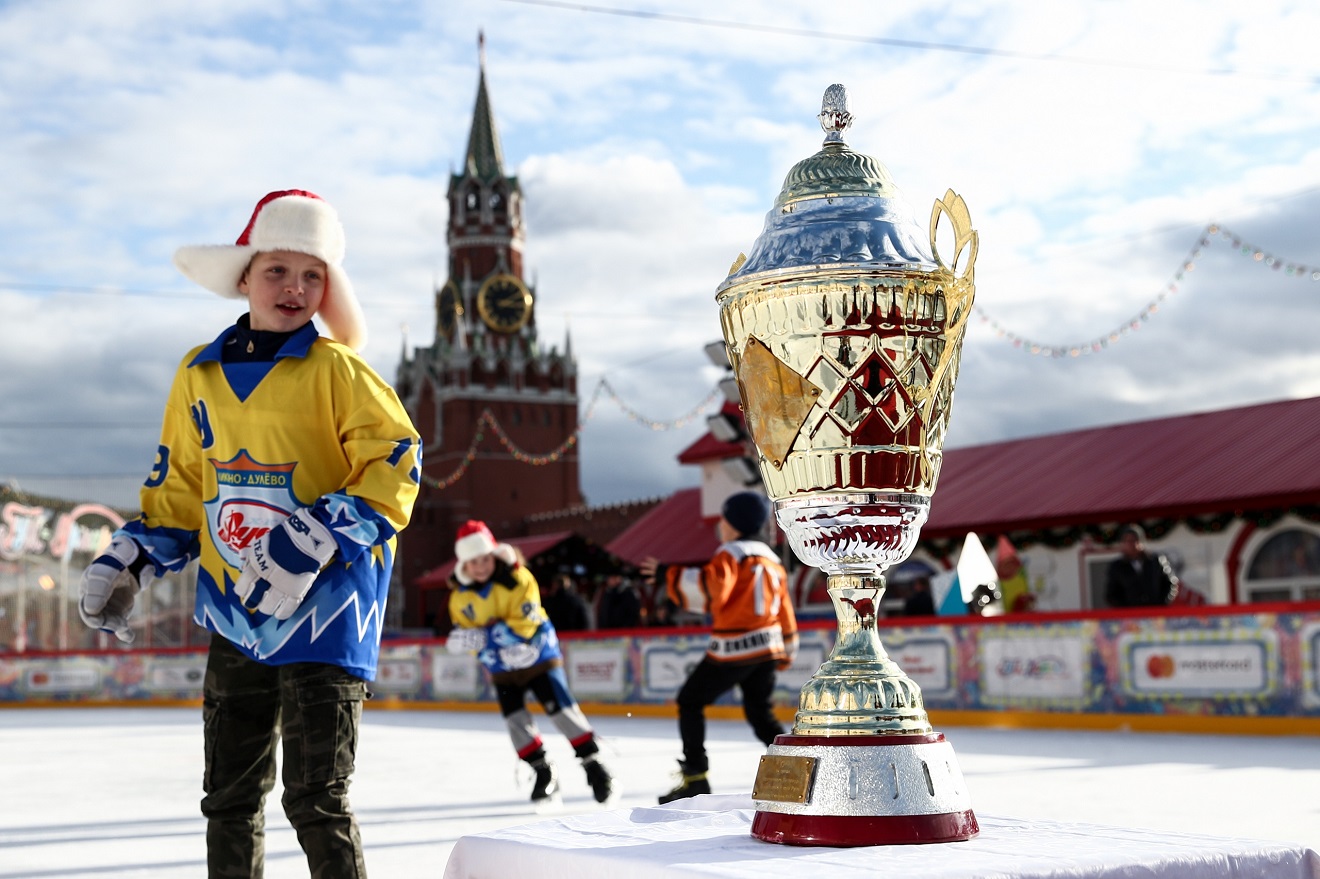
x: 649, y: 151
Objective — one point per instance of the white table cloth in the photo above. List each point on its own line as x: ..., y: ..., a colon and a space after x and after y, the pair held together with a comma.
x: 709, y: 836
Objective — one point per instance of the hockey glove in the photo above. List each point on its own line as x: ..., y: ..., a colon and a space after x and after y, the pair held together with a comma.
x: 282, y: 564
x: 466, y: 641
x: 791, y: 649
x: 109, y: 587
x: 517, y: 656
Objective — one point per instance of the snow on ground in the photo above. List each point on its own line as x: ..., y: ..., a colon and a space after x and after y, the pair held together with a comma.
x: 112, y: 793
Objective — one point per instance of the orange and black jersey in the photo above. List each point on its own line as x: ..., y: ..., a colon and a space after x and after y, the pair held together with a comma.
x: 744, y: 588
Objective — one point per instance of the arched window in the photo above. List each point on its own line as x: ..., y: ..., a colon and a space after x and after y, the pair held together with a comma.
x: 1286, y: 567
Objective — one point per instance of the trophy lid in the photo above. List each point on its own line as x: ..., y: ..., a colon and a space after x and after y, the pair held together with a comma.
x: 838, y: 208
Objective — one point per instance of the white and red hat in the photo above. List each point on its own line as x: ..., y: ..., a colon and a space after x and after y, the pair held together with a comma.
x: 474, y: 540
x: 292, y: 219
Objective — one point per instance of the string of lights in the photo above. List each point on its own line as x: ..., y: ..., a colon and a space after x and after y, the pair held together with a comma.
x: 487, y: 420
x: 681, y: 421
x: 1096, y: 345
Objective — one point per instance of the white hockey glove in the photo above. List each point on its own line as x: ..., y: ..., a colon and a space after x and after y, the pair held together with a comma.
x: 109, y: 588
x: 281, y: 565
x: 519, y: 655
x: 791, y: 649
x: 466, y: 641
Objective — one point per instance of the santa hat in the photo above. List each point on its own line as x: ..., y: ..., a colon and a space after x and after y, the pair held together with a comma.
x: 295, y: 220
x: 474, y: 540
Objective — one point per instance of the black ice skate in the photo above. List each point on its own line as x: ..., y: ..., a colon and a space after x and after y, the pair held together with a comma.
x: 602, y: 785
x: 692, y: 783
x: 545, y: 790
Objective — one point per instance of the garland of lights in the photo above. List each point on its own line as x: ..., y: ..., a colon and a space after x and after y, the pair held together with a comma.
x: 487, y: 419
x: 1100, y: 343
x: 633, y: 415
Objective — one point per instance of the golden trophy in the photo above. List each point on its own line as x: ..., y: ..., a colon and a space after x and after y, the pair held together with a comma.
x: 845, y: 327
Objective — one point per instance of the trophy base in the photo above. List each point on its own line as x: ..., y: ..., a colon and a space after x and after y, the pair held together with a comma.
x: 861, y: 790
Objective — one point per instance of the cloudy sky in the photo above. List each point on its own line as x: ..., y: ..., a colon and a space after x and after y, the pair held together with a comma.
x: 1093, y: 142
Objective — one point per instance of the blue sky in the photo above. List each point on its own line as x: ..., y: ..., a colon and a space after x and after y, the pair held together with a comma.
x: 1092, y: 142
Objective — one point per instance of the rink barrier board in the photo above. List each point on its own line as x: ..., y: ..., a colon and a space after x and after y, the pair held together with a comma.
x: 1205, y: 669
x: 1196, y: 724
x: 941, y: 720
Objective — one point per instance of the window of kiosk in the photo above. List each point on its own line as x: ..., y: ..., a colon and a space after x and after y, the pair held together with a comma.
x: 1285, y: 568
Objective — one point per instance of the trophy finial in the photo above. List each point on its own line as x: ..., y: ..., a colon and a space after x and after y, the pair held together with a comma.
x: 834, y: 116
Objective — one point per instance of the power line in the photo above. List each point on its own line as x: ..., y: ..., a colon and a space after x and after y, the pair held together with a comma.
x: 913, y: 44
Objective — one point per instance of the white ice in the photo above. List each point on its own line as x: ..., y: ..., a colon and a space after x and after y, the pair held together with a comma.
x: 112, y: 793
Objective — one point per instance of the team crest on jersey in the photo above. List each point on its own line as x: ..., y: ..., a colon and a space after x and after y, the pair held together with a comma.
x: 251, y: 498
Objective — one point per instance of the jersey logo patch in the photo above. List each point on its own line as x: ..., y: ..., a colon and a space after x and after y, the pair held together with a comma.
x: 251, y: 498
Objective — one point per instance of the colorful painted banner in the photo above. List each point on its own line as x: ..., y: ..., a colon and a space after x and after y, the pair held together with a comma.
x: 1204, y: 662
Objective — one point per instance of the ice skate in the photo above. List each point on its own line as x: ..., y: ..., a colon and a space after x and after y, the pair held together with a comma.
x: 545, y: 789
x: 602, y: 783
x: 691, y: 784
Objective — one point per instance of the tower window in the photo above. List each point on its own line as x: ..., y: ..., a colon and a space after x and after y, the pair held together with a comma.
x: 496, y: 201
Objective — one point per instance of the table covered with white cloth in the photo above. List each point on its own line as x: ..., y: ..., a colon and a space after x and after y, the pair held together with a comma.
x: 709, y: 836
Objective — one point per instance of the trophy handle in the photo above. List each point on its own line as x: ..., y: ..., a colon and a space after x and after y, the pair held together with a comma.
x: 958, y: 292
x: 955, y: 208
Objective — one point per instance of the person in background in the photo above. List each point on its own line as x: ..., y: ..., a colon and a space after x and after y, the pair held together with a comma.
x: 286, y: 468
x: 619, y: 606
x: 1017, y: 594
x: 744, y: 589
x: 920, y: 603
x: 566, y: 609
x: 1139, y: 578
x: 496, y: 608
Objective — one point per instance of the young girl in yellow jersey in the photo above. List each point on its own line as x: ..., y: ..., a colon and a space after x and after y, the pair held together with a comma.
x: 286, y: 467
x: 496, y: 608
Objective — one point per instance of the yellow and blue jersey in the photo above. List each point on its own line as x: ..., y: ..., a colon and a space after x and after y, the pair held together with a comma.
x: 245, y: 444
x: 508, y: 606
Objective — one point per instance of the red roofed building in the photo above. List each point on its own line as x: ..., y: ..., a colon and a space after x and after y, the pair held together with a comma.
x: 1232, y: 497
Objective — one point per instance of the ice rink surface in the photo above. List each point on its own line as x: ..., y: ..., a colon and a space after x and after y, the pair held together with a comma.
x: 112, y: 793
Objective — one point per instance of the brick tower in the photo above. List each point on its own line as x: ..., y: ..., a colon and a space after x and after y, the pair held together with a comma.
x: 486, y: 357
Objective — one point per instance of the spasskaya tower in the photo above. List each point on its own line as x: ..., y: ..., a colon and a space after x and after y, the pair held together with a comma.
x: 486, y: 395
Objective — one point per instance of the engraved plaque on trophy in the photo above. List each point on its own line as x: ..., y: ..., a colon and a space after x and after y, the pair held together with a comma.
x: 845, y: 326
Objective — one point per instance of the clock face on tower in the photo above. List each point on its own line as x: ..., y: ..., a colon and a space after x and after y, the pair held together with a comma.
x: 448, y: 309
x: 505, y: 303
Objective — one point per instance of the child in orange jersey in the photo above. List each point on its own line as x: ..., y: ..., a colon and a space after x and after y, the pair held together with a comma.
x: 744, y: 588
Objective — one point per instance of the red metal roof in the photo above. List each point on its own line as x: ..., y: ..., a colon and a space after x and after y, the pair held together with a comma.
x: 530, y: 547
x: 1254, y: 457
x: 673, y: 532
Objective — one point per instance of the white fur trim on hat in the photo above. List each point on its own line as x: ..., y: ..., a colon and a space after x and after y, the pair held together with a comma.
x: 474, y: 540
x: 293, y: 220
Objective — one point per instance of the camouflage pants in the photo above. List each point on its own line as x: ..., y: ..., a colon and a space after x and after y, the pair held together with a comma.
x: 246, y: 705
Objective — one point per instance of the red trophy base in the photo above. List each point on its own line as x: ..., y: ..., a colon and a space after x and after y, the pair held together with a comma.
x: 861, y: 790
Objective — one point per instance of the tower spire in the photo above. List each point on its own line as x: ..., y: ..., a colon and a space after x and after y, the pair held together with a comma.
x: 485, y: 159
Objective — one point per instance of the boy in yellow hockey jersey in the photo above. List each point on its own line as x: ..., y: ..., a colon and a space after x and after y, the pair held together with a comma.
x: 287, y: 467
x: 744, y: 589
x: 496, y: 608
